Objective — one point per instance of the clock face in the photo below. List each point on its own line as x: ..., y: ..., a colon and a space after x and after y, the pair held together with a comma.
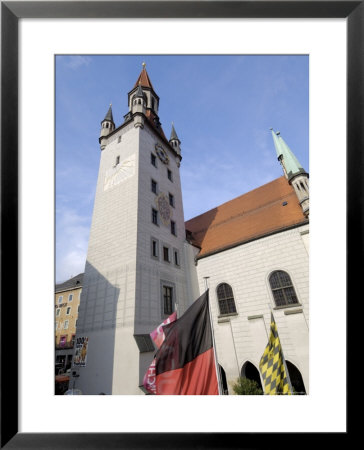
x: 163, y: 208
x: 162, y: 155
x: 119, y: 173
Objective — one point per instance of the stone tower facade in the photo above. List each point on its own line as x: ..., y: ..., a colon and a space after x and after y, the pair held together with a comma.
x: 135, y: 274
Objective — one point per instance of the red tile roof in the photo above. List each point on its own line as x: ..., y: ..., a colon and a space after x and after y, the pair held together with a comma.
x: 250, y: 216
x: 150, y: 116
x: 144, y: 80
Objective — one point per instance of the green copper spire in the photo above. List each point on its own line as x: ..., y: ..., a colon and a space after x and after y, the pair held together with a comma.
x: 276, y: 143
x: 290, y: 163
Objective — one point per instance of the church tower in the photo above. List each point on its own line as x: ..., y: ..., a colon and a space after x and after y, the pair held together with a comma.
x: 293, y: 171
x: 135, y: 274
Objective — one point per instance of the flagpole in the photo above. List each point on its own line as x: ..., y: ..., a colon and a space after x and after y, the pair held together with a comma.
x: 213, y: 341
x: 284, y: 360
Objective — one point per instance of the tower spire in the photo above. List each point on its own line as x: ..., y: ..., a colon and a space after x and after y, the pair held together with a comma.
x: 174, y: 141
x: 144, y: 79
x: 109, y: 115
x: 143, y: 88
x: 293, y: 170
x: 107, y: 126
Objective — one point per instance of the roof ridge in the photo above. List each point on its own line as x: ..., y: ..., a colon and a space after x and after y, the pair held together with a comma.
x: 236, y: 198
x: 247, y: 212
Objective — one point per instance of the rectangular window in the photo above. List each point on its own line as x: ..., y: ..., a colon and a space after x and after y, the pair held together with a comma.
x: 58, y: 310
x: 119, y: 139
x: 144, y: 343
x: 166, y: 254
x: 154, y: 216
x: 73, y: 339
x: 56, y: 325
x: 60, y: 299
x: 117, y: 160
x: 70, y: 297
x: 68, y: 311
x: 153, y: 160
x: 171, y: 200
x: 63, y: 341
x: 167, y: 300
x: 173, y: 228
x: 65, y: 325
x: 169, y: 175
x: 176, y: 257
x: 154, y: 186
x: 154, y: 248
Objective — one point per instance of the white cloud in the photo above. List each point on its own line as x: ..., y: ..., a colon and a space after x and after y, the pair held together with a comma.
x: 71, y: 243
x: 74, y: 62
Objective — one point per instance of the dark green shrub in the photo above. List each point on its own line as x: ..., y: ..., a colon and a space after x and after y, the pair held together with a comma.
x: 244, y: 386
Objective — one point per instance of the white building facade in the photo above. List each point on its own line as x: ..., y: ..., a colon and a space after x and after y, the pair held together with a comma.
x: 242, y: 337
x: 144, y: 262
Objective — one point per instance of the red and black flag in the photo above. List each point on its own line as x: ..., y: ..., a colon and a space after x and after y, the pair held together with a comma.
x: 185, y: 362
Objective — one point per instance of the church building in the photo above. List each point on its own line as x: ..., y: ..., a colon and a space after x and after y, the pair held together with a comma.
x: 144, y: 261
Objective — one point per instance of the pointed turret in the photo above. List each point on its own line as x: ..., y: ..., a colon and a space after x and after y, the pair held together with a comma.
x: 144, y: 84
x: 174, y: 141
x: 139, y: 104
x: 144, y: 79
x: 293, y: 170
x: 107, y: 125
x: 109, y: 116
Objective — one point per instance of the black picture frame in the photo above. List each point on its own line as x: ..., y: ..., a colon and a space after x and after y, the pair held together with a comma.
x: 11, y: 12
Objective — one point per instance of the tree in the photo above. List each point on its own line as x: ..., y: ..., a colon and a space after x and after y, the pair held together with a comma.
x: 244, y: 386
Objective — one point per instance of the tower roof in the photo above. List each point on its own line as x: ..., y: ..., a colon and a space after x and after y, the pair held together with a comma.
x: 174, y: 134
x: 109, y: 116
x: 143, y: 79
x: 276, y: 143
x: 291, y: 163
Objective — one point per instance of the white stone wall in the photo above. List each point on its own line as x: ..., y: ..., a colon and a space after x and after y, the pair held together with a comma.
x: 107, y: 306
x: 122, y: 285
x: 246, y: 268
x: 151, y: 272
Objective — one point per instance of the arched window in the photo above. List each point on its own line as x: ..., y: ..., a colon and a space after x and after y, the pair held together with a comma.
x: 251, y: 372
x: 226, y: 299
x: 282, y: 288
x: 223, y: 382
x: 296, y: 379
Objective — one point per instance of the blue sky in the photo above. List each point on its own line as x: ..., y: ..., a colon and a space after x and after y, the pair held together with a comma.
x: 222, y: 108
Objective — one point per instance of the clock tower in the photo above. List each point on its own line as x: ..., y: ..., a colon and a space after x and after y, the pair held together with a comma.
x: 136, y: 273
